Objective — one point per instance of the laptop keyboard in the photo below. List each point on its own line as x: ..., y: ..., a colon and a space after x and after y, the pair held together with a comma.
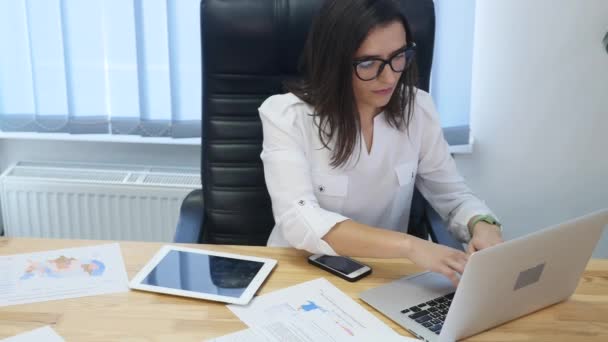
x: 431, y: 314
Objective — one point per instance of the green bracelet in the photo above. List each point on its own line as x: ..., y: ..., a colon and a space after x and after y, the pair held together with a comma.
x: 485, y: 218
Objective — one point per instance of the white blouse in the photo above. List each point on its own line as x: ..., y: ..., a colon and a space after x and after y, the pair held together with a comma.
x: 309, y: 196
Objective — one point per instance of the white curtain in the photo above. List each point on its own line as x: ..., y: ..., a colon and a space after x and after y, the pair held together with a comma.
x: 101, y: 66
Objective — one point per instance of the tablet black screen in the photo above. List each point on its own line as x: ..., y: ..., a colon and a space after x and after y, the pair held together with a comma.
x: 203, y: 273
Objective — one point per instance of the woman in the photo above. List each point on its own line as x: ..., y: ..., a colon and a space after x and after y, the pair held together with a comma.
x: 343, y: 151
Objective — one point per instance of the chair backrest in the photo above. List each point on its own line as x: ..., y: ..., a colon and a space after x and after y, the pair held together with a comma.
x: 249, y: 49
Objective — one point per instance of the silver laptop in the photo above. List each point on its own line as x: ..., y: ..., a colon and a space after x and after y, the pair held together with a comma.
x: 499, y: 284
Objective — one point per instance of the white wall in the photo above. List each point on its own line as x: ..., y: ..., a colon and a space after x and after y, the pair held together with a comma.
x: 540, y: 111
x: 13, y: 150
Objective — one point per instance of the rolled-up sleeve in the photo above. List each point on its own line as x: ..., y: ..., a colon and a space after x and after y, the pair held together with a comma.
x: 438, y: 179
x: 287, y: 171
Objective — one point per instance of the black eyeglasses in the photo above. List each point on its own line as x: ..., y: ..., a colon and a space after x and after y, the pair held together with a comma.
x: 370, y: 68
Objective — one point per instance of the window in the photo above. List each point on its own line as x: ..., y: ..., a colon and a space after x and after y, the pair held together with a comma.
x: 452, y: 67
x: 101, y: 66
x: 134, y: 67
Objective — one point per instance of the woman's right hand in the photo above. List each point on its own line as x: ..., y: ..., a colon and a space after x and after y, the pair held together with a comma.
x: 437, y: 258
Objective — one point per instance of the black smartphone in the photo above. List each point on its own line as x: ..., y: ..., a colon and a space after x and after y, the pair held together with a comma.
x: 343, y: 267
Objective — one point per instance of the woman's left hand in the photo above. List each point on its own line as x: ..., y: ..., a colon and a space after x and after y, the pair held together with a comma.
x: 484, y: 235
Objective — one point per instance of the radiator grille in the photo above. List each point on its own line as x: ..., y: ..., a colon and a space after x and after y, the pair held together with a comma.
x: 91, y: 201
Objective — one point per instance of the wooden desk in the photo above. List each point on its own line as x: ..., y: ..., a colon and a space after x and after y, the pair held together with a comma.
x: 140, y: 316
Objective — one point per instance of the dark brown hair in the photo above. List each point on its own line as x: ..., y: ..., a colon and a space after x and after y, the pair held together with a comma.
x: 337, y: 31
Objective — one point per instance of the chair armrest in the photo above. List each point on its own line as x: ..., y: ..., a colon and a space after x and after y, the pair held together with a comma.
x: 439, y: 231
x: 190, y: 224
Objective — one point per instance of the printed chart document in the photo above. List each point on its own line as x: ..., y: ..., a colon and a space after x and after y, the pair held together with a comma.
x: 319, y: 303
x: 46, y: 334
x: 302, y: 330
x: 60, y: 274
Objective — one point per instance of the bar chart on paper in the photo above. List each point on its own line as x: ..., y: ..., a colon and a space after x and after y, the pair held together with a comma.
x: 316, y: 301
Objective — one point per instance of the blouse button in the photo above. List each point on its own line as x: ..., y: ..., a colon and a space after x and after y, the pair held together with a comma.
x: 301, y: 202
x: 321, y: 188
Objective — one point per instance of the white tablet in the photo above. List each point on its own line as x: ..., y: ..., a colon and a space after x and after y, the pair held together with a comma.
x: 203, y: 274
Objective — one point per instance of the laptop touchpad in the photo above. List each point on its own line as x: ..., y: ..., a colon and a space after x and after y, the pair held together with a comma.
x: 426, y: 285
x: 405, y: 292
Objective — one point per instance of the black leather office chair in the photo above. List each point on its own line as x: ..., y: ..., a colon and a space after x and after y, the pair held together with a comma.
x: 249, y: 49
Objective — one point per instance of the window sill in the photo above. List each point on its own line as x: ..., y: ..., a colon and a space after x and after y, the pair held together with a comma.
x: 133, y: 139
x: 459, y: 138
x: 462, y: 149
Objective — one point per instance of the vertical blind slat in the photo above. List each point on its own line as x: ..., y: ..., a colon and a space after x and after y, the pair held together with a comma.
x: 453, y: 60
x: 185, y: 39
x: 86, y: 53
x: 48, y: 64
x: 121, y: 59
x: 155, y: 43
x: 17, y: 103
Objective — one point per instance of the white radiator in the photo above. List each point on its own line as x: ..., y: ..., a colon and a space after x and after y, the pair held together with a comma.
x: 93, y: 201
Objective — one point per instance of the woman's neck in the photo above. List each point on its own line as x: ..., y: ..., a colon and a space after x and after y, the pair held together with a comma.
x: 367, y: 114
